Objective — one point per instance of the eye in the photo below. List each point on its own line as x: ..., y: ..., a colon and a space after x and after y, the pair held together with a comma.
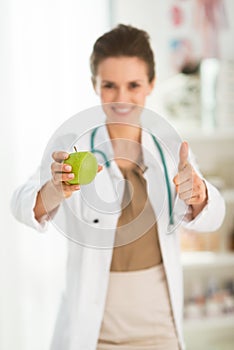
x: 134, y: 85
x: 108, y: 86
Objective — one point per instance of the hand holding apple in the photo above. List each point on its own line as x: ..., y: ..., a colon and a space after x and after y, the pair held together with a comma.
x: 62, y: 174
x: 84, y: 167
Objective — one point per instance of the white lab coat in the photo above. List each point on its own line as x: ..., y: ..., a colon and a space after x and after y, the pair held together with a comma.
x: 82, y: 220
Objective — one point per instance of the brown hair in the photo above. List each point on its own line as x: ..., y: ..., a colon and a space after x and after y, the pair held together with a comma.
x: 123, y: 40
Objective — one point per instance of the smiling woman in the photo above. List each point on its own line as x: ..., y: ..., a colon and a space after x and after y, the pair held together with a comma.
x: 124, y: 89
x: 127, y: 83
x: 129, y: 273
x: 123, y: 73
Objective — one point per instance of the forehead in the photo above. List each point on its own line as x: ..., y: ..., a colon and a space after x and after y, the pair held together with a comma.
x: 122, y: 68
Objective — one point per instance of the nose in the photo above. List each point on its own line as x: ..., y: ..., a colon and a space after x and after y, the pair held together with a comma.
x: 122, y: 95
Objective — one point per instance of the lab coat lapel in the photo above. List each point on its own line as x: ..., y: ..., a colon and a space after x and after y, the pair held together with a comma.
x: 154, y: 174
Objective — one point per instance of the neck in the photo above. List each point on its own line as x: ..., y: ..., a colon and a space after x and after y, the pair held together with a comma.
x: 126, y: 142
x: 123, y: 131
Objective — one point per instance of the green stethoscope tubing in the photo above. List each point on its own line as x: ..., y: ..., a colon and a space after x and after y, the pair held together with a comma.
x: 107, y: 163
x: 93, y: 150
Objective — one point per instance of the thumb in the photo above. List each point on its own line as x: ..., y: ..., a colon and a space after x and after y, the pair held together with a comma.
x: 183, y: 155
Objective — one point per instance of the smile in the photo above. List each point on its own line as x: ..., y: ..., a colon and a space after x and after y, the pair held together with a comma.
x: 122, y: 110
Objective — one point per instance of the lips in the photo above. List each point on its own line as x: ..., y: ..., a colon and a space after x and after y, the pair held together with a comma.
x: 122, y: 110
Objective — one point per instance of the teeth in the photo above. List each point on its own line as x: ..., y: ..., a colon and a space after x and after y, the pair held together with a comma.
x: 122, y: 110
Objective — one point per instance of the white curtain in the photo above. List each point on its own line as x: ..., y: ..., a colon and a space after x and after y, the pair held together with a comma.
x: 45, y: 79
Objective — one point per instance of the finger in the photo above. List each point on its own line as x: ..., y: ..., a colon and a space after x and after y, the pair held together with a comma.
x: 189, y: 189
x: 100, y: 167
x: 183, y: 156
x: 70, y: 188
x: 184, y: 175
x: 60, y: 167
x: 199, y: 194
x: 60, y: 156
x: 196, y: 199
x: 187, y: 195
x: 59, y: 177
x: 185, y: 186
x: 195, y: 195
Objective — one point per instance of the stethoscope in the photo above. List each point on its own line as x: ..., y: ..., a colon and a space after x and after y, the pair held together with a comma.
x: 159, y: 148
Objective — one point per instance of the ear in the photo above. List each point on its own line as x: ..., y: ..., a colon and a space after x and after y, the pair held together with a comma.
x: 151, y: 86
x: 94, y: 83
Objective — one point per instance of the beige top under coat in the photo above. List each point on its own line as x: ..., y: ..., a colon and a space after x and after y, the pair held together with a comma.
x: 136, y: 242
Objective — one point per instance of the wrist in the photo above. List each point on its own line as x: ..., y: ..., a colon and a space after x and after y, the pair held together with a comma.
x: 52, y: 194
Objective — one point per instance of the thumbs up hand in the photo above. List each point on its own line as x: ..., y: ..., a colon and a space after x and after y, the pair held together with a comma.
x: 189, y: 186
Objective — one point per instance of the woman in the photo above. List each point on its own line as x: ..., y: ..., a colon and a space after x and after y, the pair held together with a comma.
x: 127, y: 292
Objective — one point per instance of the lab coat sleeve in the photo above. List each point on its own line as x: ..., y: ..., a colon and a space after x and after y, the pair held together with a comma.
x: 24, y: 198
x: 23, y: 202
x: 212, y: 215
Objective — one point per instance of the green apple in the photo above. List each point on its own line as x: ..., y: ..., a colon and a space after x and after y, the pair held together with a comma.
x: 84, y: 166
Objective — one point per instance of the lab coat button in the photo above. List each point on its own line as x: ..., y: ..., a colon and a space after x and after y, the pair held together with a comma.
x: 95, y: 221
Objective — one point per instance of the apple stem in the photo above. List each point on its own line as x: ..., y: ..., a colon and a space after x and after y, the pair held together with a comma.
x: 75, y: 148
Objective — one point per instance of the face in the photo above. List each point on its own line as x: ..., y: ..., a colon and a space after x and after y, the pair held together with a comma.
x: 123, y: 85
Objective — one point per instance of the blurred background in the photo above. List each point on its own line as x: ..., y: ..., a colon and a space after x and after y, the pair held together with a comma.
x: 45, y: 79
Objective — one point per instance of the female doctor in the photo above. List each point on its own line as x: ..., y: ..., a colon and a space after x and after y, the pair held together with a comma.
x: 124, y: 279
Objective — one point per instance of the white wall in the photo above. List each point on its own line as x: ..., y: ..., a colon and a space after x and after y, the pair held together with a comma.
x: 154, y: 17
x: 45, y: 79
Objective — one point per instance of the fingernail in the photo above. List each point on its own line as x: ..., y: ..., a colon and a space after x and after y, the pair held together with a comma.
x: 77, y: 187
x: 68, y: 168
x: 70, y: 176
